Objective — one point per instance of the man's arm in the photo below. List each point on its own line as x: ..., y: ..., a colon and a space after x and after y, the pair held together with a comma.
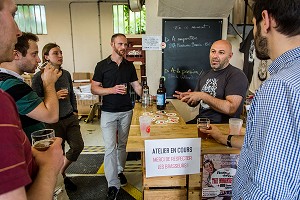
x: 97, y: 89
x: 137, y: 87
x: 48, y: 110
x: 17, y: 194
x: 237, y: 141
x: 50, y: 163
x: 228, y: 106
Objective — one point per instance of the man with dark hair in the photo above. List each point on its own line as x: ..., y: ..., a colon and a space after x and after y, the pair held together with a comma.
x: 269, y: 162
x: 32, y: 109
x: 20, y: 165
x: 117, y: 107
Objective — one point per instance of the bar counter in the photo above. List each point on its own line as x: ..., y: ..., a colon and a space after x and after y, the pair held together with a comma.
x: 180, y: 187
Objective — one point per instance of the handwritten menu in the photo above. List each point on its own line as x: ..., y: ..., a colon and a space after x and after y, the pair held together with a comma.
x: 186, y: 52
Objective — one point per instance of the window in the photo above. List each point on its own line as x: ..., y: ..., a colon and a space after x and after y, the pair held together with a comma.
x: 127, y: 22
x: 31, y: 18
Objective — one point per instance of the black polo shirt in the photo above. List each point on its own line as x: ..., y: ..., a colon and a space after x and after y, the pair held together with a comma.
x: 110, y: 74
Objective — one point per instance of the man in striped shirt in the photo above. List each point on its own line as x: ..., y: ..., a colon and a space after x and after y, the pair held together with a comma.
x: 269, y: 164
x: 25, y: 173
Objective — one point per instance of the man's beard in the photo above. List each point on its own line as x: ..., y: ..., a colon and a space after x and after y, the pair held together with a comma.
x: 120, y: 53
x: 261, y: 45
x: 222, y: 64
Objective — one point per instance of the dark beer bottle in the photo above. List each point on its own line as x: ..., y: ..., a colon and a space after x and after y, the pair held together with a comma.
x: 145, y: 87
x: 161, y: 95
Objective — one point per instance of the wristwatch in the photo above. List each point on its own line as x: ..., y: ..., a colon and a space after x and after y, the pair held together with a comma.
x: 229, y: 140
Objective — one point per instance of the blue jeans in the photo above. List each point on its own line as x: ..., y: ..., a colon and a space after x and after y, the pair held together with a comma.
x: 115, y: 146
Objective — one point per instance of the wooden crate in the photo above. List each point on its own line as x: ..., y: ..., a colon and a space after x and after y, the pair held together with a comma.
x: 164, y: 181
x: 194, y: 194
x: 165, y: 194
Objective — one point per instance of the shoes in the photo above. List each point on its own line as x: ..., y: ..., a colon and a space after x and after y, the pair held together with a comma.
x: 123, y: 179
x: 69, y: 185
x: 112, y: 193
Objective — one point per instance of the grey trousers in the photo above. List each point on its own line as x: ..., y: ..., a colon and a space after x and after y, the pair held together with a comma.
x: 115, y: 144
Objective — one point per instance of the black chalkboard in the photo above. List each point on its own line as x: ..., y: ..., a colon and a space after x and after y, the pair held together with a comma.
x: 186, y: 54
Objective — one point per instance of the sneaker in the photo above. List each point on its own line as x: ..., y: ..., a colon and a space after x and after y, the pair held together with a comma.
x: 123, y: 179
x: 69, y: 185
x: 112, y: 193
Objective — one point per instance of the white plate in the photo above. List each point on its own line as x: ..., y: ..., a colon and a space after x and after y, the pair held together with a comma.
x: 172, y: 121
x: 161, y: 112
x: 147, y: 113
x: 173, y: 118
x: 171, y: 114
x: 160, y: 122
x: 158, y: 116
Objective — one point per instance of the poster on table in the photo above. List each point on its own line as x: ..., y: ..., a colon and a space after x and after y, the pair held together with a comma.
x: 218, y: 173
x: 169, y: 157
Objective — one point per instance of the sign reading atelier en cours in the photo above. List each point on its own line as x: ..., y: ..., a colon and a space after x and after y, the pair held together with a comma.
x: 169, y: 157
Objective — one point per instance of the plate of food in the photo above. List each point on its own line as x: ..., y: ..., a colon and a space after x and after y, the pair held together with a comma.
x: 172, y: 121
x: 147, y: 113
x: 171, y: 114
x: 160, y: 122
x: 161, y: 112
x: 158, y: 116
x: 173, y: 118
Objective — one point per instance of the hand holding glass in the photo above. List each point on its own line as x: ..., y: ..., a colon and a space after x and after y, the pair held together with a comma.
x: 125, y: 87
x: 203, y: 123
x: 42, y: 139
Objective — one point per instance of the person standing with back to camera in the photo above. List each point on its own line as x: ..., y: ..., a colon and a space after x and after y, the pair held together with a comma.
x: 116, y: 112
x: 67, y: 127
x: 268, y: 166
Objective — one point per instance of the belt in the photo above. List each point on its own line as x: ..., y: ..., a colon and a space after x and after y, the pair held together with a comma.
x: 67, y: 116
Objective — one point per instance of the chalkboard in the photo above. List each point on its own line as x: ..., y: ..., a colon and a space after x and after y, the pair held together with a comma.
x: 186, y: 53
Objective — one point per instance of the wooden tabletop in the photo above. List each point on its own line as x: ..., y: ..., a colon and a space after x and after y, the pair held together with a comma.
x: 171, y: 131
x: 152, y: 112
x: 209, y: 146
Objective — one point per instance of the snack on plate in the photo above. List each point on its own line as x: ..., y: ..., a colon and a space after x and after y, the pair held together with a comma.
x: 171, y: 114
x: 160, y: 122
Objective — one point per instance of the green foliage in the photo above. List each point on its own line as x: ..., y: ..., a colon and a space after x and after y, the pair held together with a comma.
x: 128, y: 22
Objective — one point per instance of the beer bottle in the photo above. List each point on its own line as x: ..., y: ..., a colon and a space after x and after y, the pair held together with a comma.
x: 145, y: 93
x: 145, y: 87
x: 161, y: 95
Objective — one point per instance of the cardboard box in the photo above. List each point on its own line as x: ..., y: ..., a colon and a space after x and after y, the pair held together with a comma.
x: 85, y: 102
x: 84, y: 76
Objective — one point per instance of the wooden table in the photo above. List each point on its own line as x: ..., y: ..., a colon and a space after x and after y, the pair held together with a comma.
x: 139, y: 110
x: 179, y: 186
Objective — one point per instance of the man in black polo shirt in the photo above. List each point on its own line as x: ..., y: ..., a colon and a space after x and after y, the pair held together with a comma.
x: 108, y: 81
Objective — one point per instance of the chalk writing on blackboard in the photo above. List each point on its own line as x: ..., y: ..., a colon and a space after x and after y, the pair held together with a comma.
x: 176, y: 72
x: 186, y: 53
x: 185, y: 27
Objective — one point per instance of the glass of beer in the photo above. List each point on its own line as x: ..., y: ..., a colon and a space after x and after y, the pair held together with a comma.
x: 42, y: 139
x: 203, y: 123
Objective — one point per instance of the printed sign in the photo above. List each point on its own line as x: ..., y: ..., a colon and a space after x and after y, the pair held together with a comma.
x: 169, y: 157
x: 151, y: 42
x: 218, y: 173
